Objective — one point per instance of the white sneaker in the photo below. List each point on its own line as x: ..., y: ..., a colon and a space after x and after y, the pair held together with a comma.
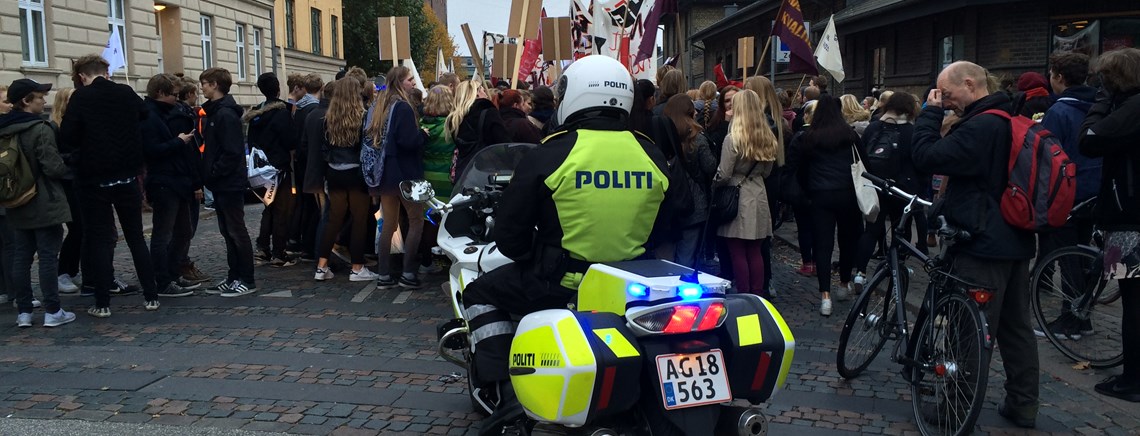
x: 59, y: 318
x: 24, y: 320
x: 842, y: 293
x: 825, y: 307
x: 323, y: 274
x: 364, y: 275
x: 857, y: 284
x: 66, y: 286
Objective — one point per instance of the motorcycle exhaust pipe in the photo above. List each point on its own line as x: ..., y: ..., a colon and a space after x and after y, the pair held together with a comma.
x: 742, y: 421
x: 603, y: 432
x: 443, y: 347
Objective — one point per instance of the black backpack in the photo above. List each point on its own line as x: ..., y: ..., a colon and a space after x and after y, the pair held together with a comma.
x: 882, y: 156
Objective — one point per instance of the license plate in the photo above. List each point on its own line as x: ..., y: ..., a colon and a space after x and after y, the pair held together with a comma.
x: 689, y: 380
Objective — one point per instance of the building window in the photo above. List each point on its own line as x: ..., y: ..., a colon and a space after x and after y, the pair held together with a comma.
x: 950, y: 49
x: 116, y: 20
x: 207, y: 42
x: 242, y: 61
x: 257, y: 51
x: 335, y: 37
x: 32, y: 36
x: 879, y: 66
x: 290, y: 24
x: 315, y: 20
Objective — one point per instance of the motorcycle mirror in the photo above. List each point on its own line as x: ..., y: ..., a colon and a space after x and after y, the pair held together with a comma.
x: 419, y: 191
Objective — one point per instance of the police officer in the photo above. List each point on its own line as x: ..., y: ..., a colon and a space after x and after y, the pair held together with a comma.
x: 592, y: 192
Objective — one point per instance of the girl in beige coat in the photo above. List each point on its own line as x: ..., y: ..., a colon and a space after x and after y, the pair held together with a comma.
x: 749, y: 152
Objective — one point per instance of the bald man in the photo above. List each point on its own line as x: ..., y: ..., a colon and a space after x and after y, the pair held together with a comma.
x: 974, y: 154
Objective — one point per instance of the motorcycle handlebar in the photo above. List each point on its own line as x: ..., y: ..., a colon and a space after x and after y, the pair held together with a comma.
x: 889, y: 186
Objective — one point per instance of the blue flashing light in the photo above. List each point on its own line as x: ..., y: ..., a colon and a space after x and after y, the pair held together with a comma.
x: 637, y: 290
x: 691, y: 291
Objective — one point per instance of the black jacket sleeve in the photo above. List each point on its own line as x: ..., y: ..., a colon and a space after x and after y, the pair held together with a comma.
x: 1107, y: 130
x: 494, y: 131
x: 957, y: 154
x: 515, y: 236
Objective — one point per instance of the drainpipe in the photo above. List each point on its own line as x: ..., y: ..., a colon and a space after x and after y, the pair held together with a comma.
x: 273, y: 49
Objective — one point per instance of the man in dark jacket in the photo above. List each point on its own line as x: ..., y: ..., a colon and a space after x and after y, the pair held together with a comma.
x: 306, y: 212
x: 101, y: 127
x: 271, y: 130
x: 1067, y: 74
x: 974, y: 156
x: 172, y: 177
x: 224, y: 173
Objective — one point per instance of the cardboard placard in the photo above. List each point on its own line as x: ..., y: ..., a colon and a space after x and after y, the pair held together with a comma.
x: 505, y: 59
x: 746, y: 52
x: 556, y: 39
x: 524, y: 19
x: 474, y: 49
x: 394, y: 42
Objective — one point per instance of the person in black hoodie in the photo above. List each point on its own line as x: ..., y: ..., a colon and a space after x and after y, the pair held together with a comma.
x: 101, y: 127
x: 1110, y: 131
x: 513, y: 108
x: 224, y: 173
x: 823, y: 156
x: 172, y: 177
x: 271, y: 130
x: 974, y: 155
x: 475, y: 123
x: 894, y: 127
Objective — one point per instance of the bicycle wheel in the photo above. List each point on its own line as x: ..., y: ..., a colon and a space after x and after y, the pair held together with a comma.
x: 1088, y: 332
x: 948, y: 383
x: 866, y: 328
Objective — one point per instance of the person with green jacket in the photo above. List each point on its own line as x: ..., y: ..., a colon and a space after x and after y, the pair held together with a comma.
x: 37, y: 225
x: 438, y: 151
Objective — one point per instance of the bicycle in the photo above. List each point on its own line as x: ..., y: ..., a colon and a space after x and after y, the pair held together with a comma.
x: 1075, y: 306
x: 946, y: 357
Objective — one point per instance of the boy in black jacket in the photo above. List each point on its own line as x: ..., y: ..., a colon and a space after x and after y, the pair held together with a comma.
x: 224, y: 173
x: 271, y: 131
x: 172, y: 177
x: 101, y: 127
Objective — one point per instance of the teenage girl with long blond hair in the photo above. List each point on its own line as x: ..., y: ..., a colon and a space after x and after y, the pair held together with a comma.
x: 402, y: 142
x: 749, y: 153
x: 473, y: 124
x: 340, y: 142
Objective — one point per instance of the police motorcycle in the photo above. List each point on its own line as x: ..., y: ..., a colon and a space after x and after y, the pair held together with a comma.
x: 648, y: 348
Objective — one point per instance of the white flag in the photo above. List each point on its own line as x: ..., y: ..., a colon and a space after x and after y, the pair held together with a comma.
x: 113, y: 52
x: 451, y: 65
x: 827, y: 52
x: 440, y: 68
x: 415, y: 73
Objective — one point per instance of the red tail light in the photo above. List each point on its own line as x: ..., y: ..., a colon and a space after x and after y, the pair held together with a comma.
x: 683, y: 319
x: 980, y: 295
x: 712, y: 317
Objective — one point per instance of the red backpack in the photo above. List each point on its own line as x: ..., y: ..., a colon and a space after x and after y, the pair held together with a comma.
x: 1042, y: 180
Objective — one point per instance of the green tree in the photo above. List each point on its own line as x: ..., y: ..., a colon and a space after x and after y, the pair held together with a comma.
x: 361, y: 31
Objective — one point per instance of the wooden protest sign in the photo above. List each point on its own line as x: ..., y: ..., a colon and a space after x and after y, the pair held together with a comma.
x: 745, y: 52
x: 506, y: 56
x: 556, y: 43
x: 473, y: 48
x: 394, y: 42
x: 523, y: 25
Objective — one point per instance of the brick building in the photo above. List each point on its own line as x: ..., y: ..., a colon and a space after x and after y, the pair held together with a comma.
x: 440, y: 9
x: 903, y: 44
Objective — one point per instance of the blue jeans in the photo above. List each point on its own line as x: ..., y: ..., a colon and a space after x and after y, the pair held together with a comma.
x: 44, y: 241
x: 172, y: 231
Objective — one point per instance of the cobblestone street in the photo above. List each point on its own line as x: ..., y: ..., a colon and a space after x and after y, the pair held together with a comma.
x: 339, y: 357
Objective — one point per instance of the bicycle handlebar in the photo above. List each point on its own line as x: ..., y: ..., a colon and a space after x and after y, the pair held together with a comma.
x: 889, y: 186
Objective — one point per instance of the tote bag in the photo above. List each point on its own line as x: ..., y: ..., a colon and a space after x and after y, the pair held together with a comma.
x: 865, y: 193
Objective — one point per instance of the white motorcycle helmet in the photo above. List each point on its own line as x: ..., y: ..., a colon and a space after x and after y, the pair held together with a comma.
x: 593, y: 82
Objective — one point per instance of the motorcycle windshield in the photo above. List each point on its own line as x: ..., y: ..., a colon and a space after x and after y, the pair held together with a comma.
x: 493, y: 161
